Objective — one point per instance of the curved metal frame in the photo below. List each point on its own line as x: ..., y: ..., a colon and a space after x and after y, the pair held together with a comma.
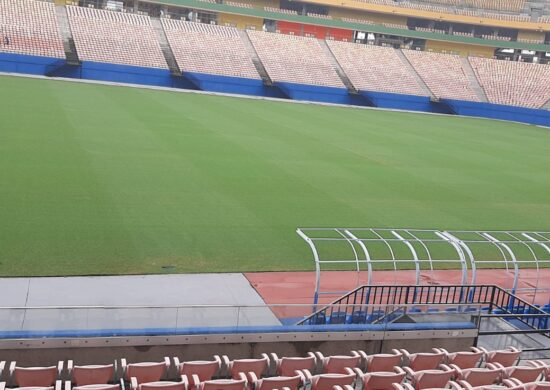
x: 460, y: 240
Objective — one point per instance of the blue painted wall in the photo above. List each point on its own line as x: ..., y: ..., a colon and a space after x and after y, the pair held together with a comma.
x: 499, y: 111
x: 19, y: 63
x: 315, y: 93
x: 404, y: 102
x: 227, y: 84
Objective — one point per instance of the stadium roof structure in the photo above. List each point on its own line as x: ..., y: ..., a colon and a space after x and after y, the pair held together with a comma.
x: 365, y: 250
x: 375, y: 28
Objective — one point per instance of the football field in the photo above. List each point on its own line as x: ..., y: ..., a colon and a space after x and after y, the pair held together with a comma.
x: 98, y: 179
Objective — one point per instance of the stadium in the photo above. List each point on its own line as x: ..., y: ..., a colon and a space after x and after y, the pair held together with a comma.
x: 274, y: 194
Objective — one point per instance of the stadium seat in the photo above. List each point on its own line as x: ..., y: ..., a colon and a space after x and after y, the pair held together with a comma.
x: 328, y: 381
x: 222, y: 384
x: 463, y: 359
x: 380, y: 380
x: 35, y: 376
x: 529, y: 373
x: 238, y: 366
x: 90, y: 374
x: 384, y: 361
x: 146, y: 371
x: 478, y: 376
x: 452, y: 386
x: 204, y: 369
x: 277, y: 382
x: 517, y: 384
x: 118, y: 386
x: 287, y: 366
x: 338, y: 364
x: 160, y: 385
x: 507, y: 357
x: 423, y: 360
x: 58, y: 386
x: 426, y: 379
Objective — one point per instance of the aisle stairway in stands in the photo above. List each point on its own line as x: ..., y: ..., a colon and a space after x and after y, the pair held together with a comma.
x: 338, y: 68
x: 165, y: 47
x: 67, y: 36
x: 412, y: 71
x: 255, y: 58
x: 470, y: 74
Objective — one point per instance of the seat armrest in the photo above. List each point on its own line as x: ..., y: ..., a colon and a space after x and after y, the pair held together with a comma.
x: 60, y: 365
x: 185, y: 382
x: 398, y: 370
x: 12, y: 369
x: 350, y: 371
x: 409, y: 371
x: 70, y: 368
x: 454, y: 386
x: 445, y: 367
x: 2, y: 385
x: 124, y: 367
x: 58, y: 385
x: 225, y: 366
x: 242, y: 376
x: 177, y: 363
x: 465, y: 385
x: 307, y: 374
x: 133, y: 383
x: 253, y: 377
x: 196, y: 381
x: 67, y: 385
x: 218, y: 359
x: 122, y: 385
x: 357, y: 371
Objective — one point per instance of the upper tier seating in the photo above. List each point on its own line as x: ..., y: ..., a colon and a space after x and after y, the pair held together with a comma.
x: 513, y: 83
x: 113, y: 37
x: 207, y: 48
x: 498, y: 5
x: 30, y: 27
x: 443, y: 73
x: 294, y: 59
x: 375, y: 68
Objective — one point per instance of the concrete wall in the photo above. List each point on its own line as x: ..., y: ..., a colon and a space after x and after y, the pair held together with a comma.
x: 240, y: 21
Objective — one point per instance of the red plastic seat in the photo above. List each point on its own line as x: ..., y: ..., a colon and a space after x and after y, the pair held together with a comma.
x: 408, y: 386
x: 278, y: 382
x: 528, y: 373
x: 507, y: 357
x: 426, y: 379
x: 222, y: 384
x: 328, y: 381
x: 384, y: 361
x: 58, y: 386
x: 478, y: 376
x: 90, y: 374
x: 337, y: 364
x: 237, y: 366
x: 160, y: 385
x: 204, y: 369
x: 463, y: 359
x: 527, y: 386
x: 35, y: 376
x: 145, y: 372
x: 381, y: 380
x: 100, y: 386
x: 424, y: 360
x: 287, y: 366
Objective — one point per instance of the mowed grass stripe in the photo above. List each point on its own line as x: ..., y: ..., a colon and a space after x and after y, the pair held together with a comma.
x: 111, y: 180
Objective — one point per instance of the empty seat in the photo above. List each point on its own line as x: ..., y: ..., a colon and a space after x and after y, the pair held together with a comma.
x: 117, y: 386
x: 463, y: 359
x: 278, y: 382
x: 383, y: 361
x: 90, y: 374
x: 222, y: 384
x: 237, y: 366
x: 338, y: 364
x: 527, y: 373
x: 204, y: 369
x: 161, y: 385
x: 35, y: 376
x: 478, y: 376
x: 382, y: 380
x: 507, y: 357
x: 287, y: 366
x: 145, y: 372
x: 423, y: 360
x: 427, y: 379
x: 328, y: 381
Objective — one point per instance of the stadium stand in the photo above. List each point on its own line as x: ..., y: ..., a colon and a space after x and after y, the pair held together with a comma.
x: 374, y: 68
x: 294, y: 59
x: 443, y: 73
x: 281, y: 10
x: 113, y: 37
x: 202, y: 48
x: 513, y: 83
x: 30, y: 27
x: 497, y: 5
x: 349, y: 370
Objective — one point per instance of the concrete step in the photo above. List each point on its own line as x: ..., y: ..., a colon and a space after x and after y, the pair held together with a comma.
x: 165, y: 47
x: 474, y: 83
x: 260, y: 68
x: 338, y: 68
x: 410, y: 67
x: 546, y: 105
x: 71, y: 54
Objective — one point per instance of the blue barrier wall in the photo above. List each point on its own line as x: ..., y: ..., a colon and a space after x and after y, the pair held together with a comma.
x: 315, y: 93
x: 236, y: 85
x: 19, y: 63
x: 404, y: 102
x: 499, y: 111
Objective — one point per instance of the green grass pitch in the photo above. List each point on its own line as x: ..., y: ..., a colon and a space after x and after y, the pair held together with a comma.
x: 110, y: 180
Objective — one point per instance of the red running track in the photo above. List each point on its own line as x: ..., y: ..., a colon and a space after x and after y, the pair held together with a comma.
x: 299, y: 287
